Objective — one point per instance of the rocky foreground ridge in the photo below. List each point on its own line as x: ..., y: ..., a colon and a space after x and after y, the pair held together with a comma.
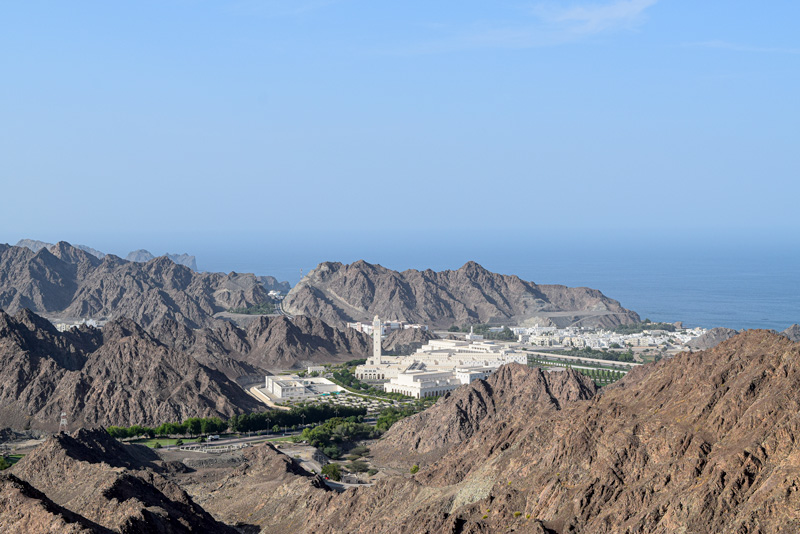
x: 65, y: 281
x: 339, y: 293
x: 89, y: 482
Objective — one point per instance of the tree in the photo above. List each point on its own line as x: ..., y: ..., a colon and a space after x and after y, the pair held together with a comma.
x: 358, y: 467
x: 414, y: 469
x: 333, y: 471
x: 4, y: 464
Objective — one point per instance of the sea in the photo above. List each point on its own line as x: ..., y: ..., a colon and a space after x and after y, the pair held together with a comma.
x: 735, y: 285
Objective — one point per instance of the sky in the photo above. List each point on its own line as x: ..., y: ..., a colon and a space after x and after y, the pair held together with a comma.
x: 339, y: 129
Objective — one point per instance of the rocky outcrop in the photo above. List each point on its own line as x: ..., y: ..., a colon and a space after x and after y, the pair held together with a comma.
x: 711, y: 339
x: 26, y: 509
x: 404, y: 342
x: 119, y: 375
x: 340, y: 293
x: 248, y: 495
x: 271, y: 283
x: 793, y: 333
x: 113, y: 486
x: 66, y: 282
x: 513, y: 392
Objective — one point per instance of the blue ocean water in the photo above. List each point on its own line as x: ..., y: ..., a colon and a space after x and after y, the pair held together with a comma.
x: 735, y: 286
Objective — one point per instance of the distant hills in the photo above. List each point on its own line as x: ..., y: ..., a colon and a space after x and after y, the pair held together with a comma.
x: 64, y: 281
x: 141, y: 255
x: 339, y: 293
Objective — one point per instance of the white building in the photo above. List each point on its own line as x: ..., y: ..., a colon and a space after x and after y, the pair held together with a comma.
x: 439, y: 366
x: 293, y: 387
x: 421, y: 383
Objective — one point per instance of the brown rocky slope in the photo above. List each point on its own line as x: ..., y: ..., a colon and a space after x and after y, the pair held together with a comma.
x: 109, y: 485
x: 119, y: 375
x: 703, y: 442
x: 513, y: 392
x: 64, y: 281
x: 267, y: 343
x: 339, y: 293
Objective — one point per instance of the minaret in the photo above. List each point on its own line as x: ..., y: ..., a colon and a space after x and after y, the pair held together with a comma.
x: 376, y: 340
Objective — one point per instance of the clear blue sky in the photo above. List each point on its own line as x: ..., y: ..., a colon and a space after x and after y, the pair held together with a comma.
x: 181, y: 125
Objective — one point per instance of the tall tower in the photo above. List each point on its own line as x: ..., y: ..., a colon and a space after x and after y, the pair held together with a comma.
x: 376, y: 340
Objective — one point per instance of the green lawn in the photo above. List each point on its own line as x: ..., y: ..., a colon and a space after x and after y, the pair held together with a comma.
x: 14, y: 458
x: 282, y: 438
x: 163, y: 441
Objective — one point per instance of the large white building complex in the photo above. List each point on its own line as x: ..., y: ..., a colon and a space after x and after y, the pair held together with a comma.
x: 440, y: 366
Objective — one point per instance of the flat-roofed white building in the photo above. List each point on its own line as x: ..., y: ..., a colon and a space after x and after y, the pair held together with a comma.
x: 293, y: 387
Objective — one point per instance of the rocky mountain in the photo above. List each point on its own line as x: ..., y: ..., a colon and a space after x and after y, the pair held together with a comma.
x: 267, y: 343
x: 93, y: 483
x: 66, y: 282
x: 119, y: 375
x: 271, y: 283
x: 514, y: 391
x: 711, y: 338
x: 793, y: 332
x: 143, y: 256
x: 406, y: 341
x: 340, y: 293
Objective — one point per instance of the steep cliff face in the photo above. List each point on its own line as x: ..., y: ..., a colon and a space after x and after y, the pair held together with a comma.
x: 111, y: 486
x: 65, y: 281
x: 704, y: 442
x: 338, y: 293
x: 117, y: 376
